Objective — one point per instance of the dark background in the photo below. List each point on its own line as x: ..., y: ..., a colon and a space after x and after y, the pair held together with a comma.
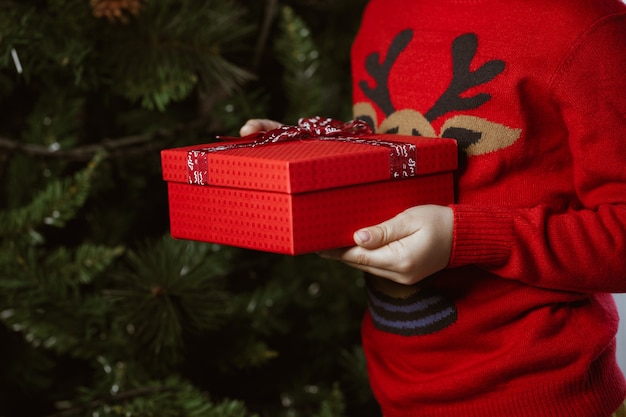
x: 101, y: 312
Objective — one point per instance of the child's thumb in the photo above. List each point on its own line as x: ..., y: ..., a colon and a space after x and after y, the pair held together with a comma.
x: 361, y: 237
x: 371, y: 237
x: 384, y: 233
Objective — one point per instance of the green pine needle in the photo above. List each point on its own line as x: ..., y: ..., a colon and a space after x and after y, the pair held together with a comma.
x: 334, y: 406
x: 158, y: 60
x: 54, y: 206
x: 48, y: 300
x: 169, y: 288
x: 297, y: 52
x: 172, y: 397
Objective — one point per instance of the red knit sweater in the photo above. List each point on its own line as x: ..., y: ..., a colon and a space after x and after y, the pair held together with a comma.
x: 521, y: 323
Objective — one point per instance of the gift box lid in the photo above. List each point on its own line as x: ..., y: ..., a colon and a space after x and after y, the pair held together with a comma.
x: 305, y: 164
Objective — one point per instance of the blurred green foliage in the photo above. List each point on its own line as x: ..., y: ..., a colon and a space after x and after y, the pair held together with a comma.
x: 101, y: 312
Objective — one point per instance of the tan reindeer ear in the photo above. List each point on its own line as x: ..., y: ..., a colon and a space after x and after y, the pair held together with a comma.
x: 364, y: 111
x: 478, y: 136
x: 407, y: 122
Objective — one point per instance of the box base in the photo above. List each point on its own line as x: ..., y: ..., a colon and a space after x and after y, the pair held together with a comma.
x: 299, y: 223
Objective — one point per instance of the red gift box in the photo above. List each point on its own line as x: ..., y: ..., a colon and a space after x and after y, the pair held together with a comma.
x: 294, y: 193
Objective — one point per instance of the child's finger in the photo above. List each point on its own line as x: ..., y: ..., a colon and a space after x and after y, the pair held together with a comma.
x: 257, y: 125
x: 385, y: 232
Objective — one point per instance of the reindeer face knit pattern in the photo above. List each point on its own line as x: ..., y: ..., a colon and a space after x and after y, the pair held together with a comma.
x: 521, y: 323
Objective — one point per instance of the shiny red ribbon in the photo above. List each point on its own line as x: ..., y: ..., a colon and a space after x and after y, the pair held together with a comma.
x: 401, y: 155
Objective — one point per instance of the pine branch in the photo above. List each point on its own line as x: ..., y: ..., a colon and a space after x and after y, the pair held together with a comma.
x: 172, y: 397
x: 112, y: 399
x: 79, y: 266
x: 113, y: 147
x: 53, y: 206
x: 168, y: 289
x: 270, y: 13
x: 47, y: 299
x: 85, y: 152
x: 174, y: 48
x: 300, y: 58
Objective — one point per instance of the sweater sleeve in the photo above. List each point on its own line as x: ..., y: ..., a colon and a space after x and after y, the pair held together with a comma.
x: 581, y: 247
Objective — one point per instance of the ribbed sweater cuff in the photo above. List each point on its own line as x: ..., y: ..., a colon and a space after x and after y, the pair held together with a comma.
x: 482, y: 236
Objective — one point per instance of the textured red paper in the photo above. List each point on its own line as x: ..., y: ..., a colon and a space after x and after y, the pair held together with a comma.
x: 301, y: 196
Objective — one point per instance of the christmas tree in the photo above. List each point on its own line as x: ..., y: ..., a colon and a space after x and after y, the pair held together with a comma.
x: 101, y: 311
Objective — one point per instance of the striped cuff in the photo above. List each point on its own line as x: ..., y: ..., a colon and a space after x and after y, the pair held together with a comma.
x: 482, y: 235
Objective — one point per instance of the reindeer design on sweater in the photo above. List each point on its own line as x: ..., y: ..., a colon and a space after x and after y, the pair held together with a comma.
x: 419, y: 309
x: 475, y: 135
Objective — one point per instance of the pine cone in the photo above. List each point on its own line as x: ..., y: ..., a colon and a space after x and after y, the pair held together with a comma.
x: 116, y: 10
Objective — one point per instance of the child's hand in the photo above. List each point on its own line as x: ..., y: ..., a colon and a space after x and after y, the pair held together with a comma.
x: 407, y: 248
x: 258, y: 125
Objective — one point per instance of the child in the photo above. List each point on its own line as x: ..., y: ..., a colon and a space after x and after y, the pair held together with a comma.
x: 500, y: 304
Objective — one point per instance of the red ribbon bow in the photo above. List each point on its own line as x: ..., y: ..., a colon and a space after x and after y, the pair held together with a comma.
x: 308, y: 128
x: 402, y: 155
